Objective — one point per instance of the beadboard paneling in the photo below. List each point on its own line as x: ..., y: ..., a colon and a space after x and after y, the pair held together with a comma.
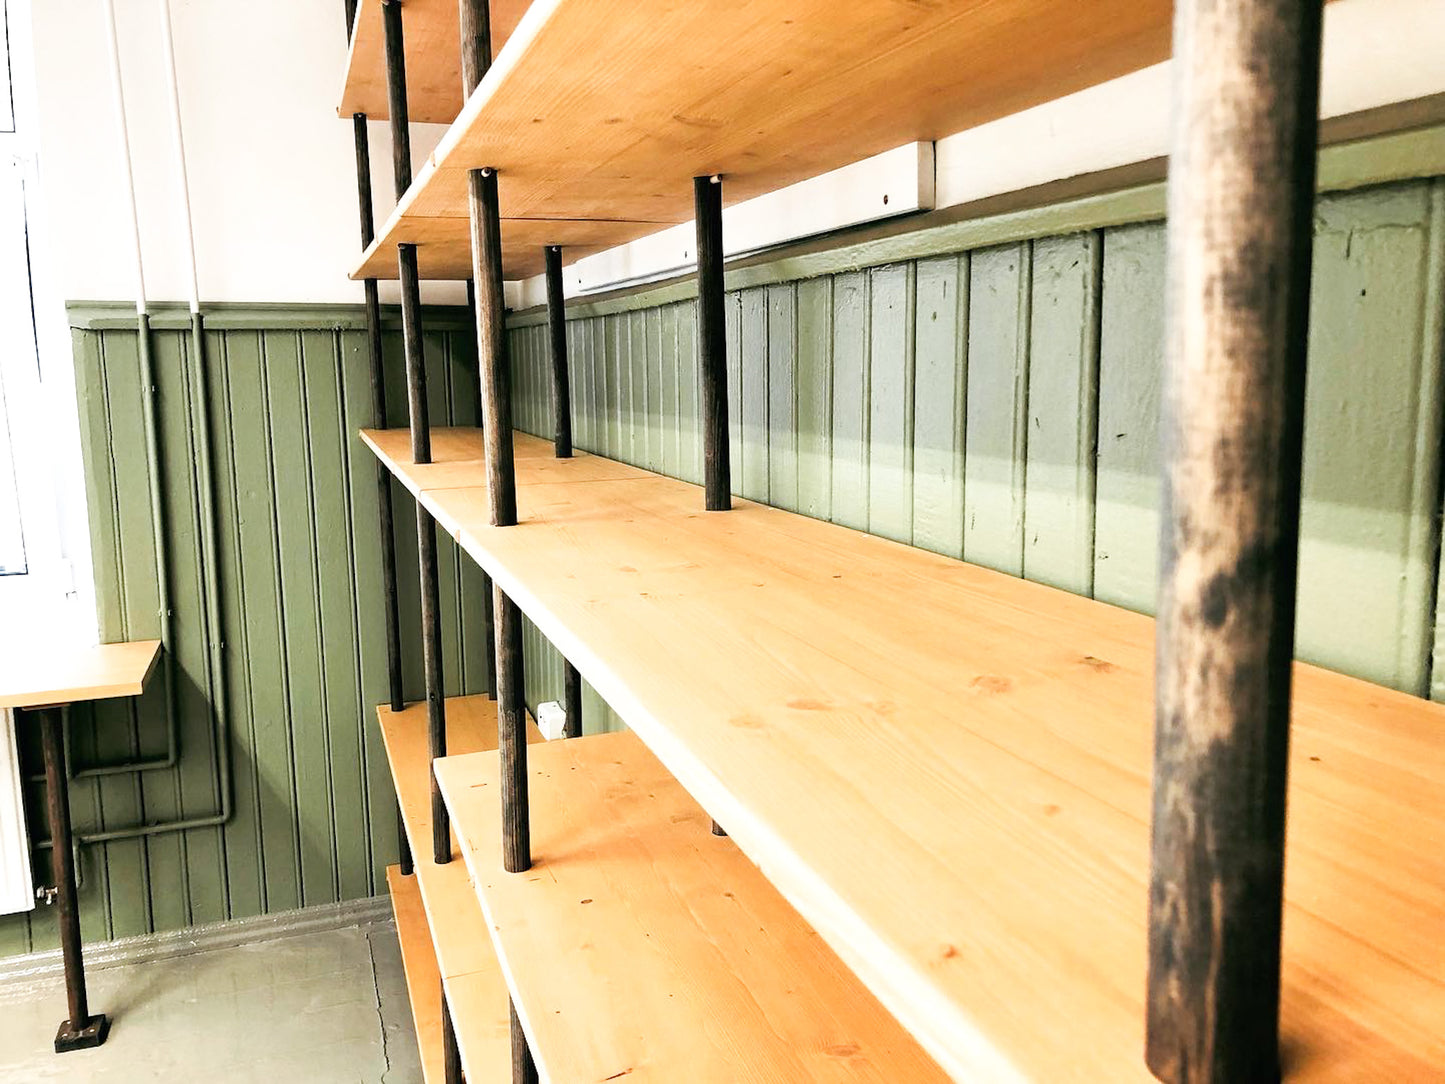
x: 1000, y: 404
x: 300, y: 578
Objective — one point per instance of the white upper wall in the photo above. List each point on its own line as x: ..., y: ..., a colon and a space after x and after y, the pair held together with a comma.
x: 272, y: 173
x: 272, y: 168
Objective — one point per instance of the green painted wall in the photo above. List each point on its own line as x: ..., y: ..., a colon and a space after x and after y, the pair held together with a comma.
x: 315, y: 817
x: 999, y: 404
x: 994, y: 401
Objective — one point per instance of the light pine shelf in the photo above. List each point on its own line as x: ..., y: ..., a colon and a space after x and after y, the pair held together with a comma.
x: 47, y: 674
x: 642, y: 947
x: 946, y: 770
x: 457, y: 943
x: 433, y: 58
x: 766, y: 94
x: 423, y: 977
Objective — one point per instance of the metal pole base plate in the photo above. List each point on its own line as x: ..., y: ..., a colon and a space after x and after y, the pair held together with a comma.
x: 92, y: 1034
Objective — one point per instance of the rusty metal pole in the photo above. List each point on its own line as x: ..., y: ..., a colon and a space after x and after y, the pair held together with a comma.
x: 1241, y: 195
x: 416, y: 394
x: 557, y: 332
x: 712, y: 344
x: 79, y: 1030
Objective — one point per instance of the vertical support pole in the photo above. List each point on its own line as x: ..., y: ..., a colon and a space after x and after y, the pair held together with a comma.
x: 492, y: 346
x: 80, y: 1030
x: 475, y: 25
x: 1241, y: 197
x: 557, y: 326
x: 385, y: 514
x: 416, y: 394
x: 712, y: 343
x: 488, y: 626
x: 512, y: 737
x: 403, y: 844
x: 524, y: 1069
x: 451, y: 1053
x: 572, y: 695
x: 396, y: 95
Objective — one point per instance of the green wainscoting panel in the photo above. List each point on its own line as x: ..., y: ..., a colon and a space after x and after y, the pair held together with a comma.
x: 301, y: 604
x: 1001, y: 403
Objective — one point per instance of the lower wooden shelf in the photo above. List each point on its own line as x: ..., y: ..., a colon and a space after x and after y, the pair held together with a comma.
x: 642, y: 947
x: 442, y: 914
x: 423, y: 978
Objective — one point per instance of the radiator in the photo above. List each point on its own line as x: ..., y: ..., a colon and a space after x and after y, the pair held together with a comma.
x: 17, y: 889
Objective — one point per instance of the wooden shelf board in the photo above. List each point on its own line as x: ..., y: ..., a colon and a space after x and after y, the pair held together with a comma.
x: 640, y: 945
x: 41, y: 675
x: 766, y: 94
x: 457, y: 457
x: 461, y: 947
x: 423, y: 980
x: 947, y: 771
x: 444, y: 245
x: 433, y: 58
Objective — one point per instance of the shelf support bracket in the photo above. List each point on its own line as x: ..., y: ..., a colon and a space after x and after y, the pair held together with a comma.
x: 712, y: 343
x: 557, y: 328
x: 1241, y: 197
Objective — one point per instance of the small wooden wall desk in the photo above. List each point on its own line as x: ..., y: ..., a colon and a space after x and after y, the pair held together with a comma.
x: 41, y: 682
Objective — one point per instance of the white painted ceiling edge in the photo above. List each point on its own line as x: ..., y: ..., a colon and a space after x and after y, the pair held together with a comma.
x: 1376, y: 52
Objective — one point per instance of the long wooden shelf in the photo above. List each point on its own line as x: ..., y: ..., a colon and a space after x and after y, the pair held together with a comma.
x: 461, y: 948
x: 641, y: 946
x: 423, y: 977
x: 767, y: 94
x: 433, y: 58
x: 946, y: 771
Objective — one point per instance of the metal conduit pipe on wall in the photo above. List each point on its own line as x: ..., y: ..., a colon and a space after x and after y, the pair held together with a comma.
x: 222, y: 766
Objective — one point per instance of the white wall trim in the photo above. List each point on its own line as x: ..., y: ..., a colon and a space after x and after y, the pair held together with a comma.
x: 1376, y: 53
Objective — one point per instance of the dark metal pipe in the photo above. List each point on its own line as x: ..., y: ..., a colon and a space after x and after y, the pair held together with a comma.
x: 451, y: 1053
x: 572, y: 695
x: 557, y: 327
x: 385, y: 513
x: 396, y: 96
x: 488, y: 627
x: 416, y: 394
x: 492, y: 345
x: 476, y: 42
x: 524, y: 1069
x: 80, y: 1029
x: 403, y: 844
x: 1241, y: 195
x: 512, y: 736
x: 712, y: 343
x: 426, y: 544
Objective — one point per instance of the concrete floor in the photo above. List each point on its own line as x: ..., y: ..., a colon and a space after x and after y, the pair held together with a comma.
x: 314, y: 1007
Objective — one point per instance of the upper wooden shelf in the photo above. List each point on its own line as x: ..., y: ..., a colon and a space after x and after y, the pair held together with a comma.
x: 598, y: 113
x: 461, y: 948
x: 642, y: 947
x: 946, y: 770
x: 430, y: 29
x: 44, y: 675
